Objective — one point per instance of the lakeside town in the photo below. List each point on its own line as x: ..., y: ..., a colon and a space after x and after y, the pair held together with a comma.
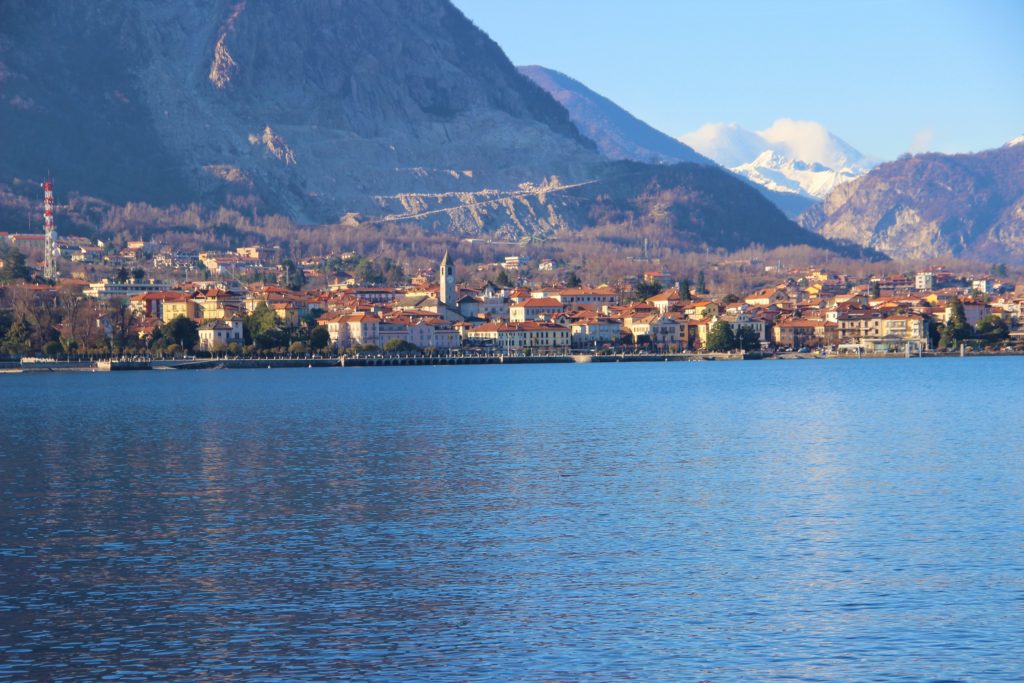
x: 250, y: 302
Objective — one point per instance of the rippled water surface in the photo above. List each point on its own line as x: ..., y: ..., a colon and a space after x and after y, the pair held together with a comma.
x: 805, y: 520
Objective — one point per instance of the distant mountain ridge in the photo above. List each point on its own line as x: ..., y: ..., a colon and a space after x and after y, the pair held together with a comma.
x: 618, y: 134
x: 933, y: 206
x: 799, y: 157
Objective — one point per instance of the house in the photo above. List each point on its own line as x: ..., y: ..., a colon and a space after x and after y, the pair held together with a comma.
x: 585, y: 296
x: 534, y: 309
x: 666, y: 300
x: 107, y: 290
x: 794, y: 333
x: 179, y: 304
x: 588, y: 332
x: 655, y: 277
x: 523, y: 336
x: 767, y: 297
x: 742, y: 321
x: 216, y: 334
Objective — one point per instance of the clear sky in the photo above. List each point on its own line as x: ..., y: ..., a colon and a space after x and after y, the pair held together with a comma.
x: 887, y: 76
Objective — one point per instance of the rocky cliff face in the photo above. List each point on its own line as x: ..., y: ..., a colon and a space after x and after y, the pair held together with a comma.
x: 933, y: 206
x: 314, y: 106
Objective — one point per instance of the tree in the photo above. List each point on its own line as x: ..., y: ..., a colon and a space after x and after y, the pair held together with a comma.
x: 262, y: 319
x: 400, y: 346
x: 572, y: 280
x: 730, y: 299
x: 956, y: 329
x: 138, y: 274
x: 701, y: 284
x: 367, y: 273
x: 122, y: 275
x: 122, y: 319
x: 292, y: 277
x: 875, y: 290
x: 182, y: 332
x: 645, y: 290
x: 992, y: 329
x: 684, y: 290
x: 747, y: 339
x: 16, y: 341
x: 503, y: 280
x: 721, y: 337
x: 13, y: 268
x: 319, y: 338
x: 5, y: 324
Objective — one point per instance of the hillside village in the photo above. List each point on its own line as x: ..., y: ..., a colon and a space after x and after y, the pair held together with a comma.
x: 278, y: 312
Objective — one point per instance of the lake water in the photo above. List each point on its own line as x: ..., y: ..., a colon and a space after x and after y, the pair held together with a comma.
x: 723, y: 521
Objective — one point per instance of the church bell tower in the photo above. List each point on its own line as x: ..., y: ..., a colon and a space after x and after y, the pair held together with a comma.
x: 446, y: 283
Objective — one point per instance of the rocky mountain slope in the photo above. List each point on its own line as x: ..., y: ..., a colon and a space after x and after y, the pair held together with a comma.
x: 381, y: 111
x: 312, y: 106
x: 933, y: 206
x: 798, y: 157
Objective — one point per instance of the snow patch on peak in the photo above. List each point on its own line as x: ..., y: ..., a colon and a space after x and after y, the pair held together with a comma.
x: 810, y: 141
x: 1019, y: 140
x: 726, y: 143
x: 790, y: 155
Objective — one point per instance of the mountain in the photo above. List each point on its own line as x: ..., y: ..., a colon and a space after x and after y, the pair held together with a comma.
x: 313, y: 106
x: 618, y: 134
x: 325, y: 112
x: 798, y: 157
x: 933, y: 206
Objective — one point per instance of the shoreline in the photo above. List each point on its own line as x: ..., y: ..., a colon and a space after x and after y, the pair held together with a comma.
x: 16, y: 367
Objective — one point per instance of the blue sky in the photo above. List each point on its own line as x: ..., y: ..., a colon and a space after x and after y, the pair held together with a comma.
x: 887, y: 76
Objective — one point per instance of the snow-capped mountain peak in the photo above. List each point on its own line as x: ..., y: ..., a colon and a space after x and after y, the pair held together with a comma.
x: 1019, y: 140
x: 791, y: 156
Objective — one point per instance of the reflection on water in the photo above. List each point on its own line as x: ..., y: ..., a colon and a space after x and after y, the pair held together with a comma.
x: 718, y: 521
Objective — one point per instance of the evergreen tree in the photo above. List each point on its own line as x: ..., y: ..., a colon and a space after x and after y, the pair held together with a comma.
x: 684, y: 290
x: 503, y: 280
x: 645, y: 290
x: 182, y: 331
x: 956, y: 329
x: 721, y: 337
x: 319, y: 338
x: 992, y: 329
x: 14, y: 268
x: 17, y: 341
x: 293, y: 276
x: 701, y: 284
x: 748, y: 340
x: 572, y: 280
x: 876, y: 290
x: 367, y: 273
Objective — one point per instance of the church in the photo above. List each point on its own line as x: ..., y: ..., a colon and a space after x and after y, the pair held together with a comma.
x: 445, y: 304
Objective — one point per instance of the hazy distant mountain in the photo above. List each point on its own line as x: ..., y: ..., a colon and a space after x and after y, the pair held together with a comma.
x: 799, y: 157
x: 618, y: 134
x: 933, y: 206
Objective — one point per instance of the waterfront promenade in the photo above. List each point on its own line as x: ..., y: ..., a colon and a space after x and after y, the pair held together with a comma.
x: 399, y: 360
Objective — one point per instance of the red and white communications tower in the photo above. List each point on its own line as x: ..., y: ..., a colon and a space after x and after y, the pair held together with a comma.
x: 50, y: 265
